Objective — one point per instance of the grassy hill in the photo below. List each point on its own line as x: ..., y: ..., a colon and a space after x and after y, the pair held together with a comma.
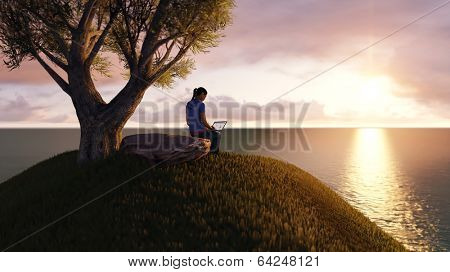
x: 225, y: 202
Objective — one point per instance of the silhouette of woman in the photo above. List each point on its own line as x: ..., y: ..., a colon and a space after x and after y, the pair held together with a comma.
x: 196, y: 119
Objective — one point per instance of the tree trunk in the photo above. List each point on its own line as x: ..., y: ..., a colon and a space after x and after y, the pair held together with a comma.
x: 98, y: 141
x: 101, y: 124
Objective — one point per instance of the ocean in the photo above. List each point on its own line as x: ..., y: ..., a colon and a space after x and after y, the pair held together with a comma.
x: 398, y: 177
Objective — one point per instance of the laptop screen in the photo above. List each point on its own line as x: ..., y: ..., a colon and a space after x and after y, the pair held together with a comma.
x: 219, y: 125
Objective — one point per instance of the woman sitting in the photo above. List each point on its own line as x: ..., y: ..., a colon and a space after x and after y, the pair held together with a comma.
x: 196, y: 119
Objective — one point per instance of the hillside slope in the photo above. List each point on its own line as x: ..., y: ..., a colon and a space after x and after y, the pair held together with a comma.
x: 225, y: 202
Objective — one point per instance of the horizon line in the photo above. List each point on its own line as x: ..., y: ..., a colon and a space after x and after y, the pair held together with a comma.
x: 238, y: 127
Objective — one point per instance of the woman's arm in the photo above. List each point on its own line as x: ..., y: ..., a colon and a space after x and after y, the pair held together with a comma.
x: 203, y: 120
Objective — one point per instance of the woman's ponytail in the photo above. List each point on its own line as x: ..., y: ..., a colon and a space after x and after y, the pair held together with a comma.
x: 195, y: 93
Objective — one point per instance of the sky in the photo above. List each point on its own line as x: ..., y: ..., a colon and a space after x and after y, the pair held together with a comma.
x: 274, y: 46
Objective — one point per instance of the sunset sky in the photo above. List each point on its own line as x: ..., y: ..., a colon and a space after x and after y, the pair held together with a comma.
x: 274, y: 46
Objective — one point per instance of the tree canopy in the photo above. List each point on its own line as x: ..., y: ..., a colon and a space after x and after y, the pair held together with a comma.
x: 150, y: 37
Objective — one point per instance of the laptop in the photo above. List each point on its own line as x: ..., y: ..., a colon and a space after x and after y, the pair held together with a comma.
x: 219, y: 125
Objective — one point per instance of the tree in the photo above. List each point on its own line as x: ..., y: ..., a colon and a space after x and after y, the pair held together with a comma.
x: 72, y: 39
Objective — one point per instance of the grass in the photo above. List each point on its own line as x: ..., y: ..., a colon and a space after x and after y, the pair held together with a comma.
x: 224, y: 202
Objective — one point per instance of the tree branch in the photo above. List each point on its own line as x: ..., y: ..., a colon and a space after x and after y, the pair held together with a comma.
x: 87, y: 15
x: 147, y: 63
x: 64, y: 19
x: 101, y: 40
x: 58, y: 79
x: 32, y: 49
x: 60, y: 40
x: 126, y: 53
x: 131, y: 39
x: 54, y: 59
x: 157, y: 43
x: 166, y: 67
x: 165, y: 57
x: 153, y: 33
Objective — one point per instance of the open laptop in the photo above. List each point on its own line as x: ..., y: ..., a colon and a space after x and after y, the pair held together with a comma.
x: 219, y: 125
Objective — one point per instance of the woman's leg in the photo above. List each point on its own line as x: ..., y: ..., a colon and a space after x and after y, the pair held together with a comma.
x: 213, y: 136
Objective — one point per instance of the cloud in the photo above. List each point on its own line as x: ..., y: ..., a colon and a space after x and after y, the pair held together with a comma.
x: 326, y: 31
x: 62, y: 118
x: 263, y: 29
x: 317, y: 34
x: 19, y: 109
x: 424, y: 67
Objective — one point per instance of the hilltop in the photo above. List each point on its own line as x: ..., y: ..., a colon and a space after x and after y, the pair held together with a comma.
x: 225, y: 202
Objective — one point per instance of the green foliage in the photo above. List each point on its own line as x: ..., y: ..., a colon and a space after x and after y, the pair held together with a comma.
x: 30, y: 28
x: 102, y: 66
x: 224, y: 202
x: 181, y: 69
x: 201, y: 19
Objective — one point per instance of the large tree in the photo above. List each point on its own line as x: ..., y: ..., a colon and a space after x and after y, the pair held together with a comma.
x: 72, y: 39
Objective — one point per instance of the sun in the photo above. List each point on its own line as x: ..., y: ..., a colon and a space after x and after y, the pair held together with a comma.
x: 374, y: 89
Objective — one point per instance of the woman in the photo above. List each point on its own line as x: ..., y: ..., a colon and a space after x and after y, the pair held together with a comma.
x: 196, y: 119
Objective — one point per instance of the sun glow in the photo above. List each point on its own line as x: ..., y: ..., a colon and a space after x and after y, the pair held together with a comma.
x: 370, y: 94
x: 374, y: 89
x: 359, y: 97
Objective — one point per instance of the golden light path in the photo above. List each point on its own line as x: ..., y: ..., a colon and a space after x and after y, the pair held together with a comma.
x: 375, y: 186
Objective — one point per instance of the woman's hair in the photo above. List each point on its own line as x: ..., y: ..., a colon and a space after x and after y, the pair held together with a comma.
x: 199, y: 91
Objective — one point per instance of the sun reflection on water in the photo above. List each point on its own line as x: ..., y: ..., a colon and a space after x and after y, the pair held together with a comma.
x: 375, y: 186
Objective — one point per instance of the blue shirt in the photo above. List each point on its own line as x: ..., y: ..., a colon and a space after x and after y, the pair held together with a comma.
x: 193, y: 110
